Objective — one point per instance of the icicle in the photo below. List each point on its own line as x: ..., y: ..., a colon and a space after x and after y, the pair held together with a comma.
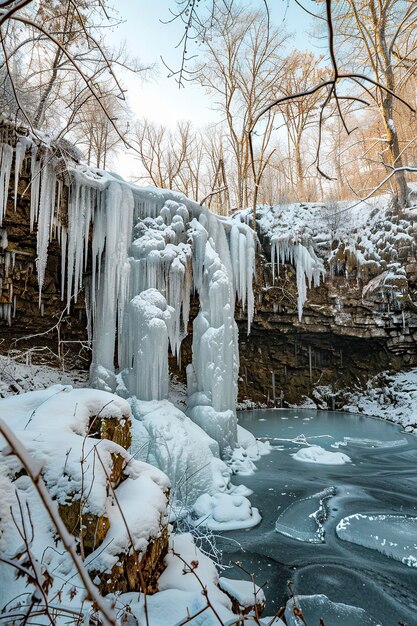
x: 46, y: 208
x: 20, y: 153
x: 5, y: 169
x: 63, y: 259
x: 35, y: 177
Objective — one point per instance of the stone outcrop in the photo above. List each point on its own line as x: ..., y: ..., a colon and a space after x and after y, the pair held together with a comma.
x: 133, y: 571
x: 342, y: 339
x: 21, y: 315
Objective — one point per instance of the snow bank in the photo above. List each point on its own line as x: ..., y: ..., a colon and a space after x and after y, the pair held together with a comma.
x: 180, y: 591
x: 54, y: 425
x: 244, y: 591
x: 167, y: 438
x: 317, y: 454
x: 391, y: 397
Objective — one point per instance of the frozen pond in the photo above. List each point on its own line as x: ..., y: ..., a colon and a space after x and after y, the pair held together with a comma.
x: 339, y: 516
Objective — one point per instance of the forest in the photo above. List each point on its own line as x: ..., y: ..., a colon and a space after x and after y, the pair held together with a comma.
x: 208, y: 312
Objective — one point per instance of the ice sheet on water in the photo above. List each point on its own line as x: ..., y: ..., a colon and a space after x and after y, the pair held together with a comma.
x: 395, y: 536
x: 369, y: 443
x: 318, y: 607
x: 304, y: 520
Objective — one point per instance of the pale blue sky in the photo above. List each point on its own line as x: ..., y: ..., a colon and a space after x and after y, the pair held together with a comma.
x: 147, y: 38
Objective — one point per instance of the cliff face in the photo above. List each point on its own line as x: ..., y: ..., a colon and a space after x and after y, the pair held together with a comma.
x: 352, y: 326
x: 50, y: 330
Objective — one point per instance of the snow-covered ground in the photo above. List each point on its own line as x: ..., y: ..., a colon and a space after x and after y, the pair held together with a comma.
x: 55, y: 427
x: 390, y: 396
x: 18, y: 374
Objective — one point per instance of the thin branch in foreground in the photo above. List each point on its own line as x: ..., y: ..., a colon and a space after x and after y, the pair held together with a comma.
x: 33, y: 469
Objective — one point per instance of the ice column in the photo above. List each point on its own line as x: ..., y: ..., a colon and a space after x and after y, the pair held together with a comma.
x: 147, y: 328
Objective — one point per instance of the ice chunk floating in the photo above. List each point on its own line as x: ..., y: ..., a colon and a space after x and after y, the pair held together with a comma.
x: 317, y: 454
x: 304, y: 520
x: 318, y: 607
x: 392, y: 535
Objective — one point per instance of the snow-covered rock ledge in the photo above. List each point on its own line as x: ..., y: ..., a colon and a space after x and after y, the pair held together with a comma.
x: 392, y: 397
x: 116, y: 506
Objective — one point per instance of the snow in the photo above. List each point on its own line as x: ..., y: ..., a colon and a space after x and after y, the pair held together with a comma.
x: 317, y: 454
x: 390, y: 396
x: 167, y: 438
x: 130, y: 523
x: 17, y: 376
x: 359, y: 239
x: 245, y: 592
x: 52, y: 425
x: 224, y: 511
x: 187, y: 572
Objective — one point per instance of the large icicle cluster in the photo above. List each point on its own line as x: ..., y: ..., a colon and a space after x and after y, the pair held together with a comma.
x: 149, y: 250
x: 292, y: 234
x: 309, y: 268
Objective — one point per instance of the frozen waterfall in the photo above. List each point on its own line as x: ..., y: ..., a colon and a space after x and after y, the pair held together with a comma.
x: 147, y: 252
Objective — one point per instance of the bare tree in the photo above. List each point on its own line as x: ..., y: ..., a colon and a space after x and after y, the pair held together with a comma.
x: 162, y: 153
x: 243, y: 65
x: 54, y: 62
x: 381, y: 36
x: 93, y: 131
x: 302, y: 69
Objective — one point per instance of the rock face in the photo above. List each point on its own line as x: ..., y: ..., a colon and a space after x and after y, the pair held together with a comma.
x: 342, y: 339
x: 21, y: 315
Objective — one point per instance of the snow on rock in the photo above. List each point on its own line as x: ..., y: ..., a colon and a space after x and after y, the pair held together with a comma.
x: 390, y: 396
x: 225, y: 511
x: 317, y: 454
x: 180, y: 590
x: 354, y: 239
x: 86, y: 476
x: 61, y: 408
x: 129, y: 521
x: 244, y: 592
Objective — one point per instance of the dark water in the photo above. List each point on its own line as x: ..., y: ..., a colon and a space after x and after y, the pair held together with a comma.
x: 381, y: 480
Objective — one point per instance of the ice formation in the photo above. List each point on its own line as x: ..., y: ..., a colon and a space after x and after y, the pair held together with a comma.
x: 304, y: 519
x: 149, y: 251
x: 318, y: 608
x: 392, y: 535
x: 309, y: 268
x: 317, y: 454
